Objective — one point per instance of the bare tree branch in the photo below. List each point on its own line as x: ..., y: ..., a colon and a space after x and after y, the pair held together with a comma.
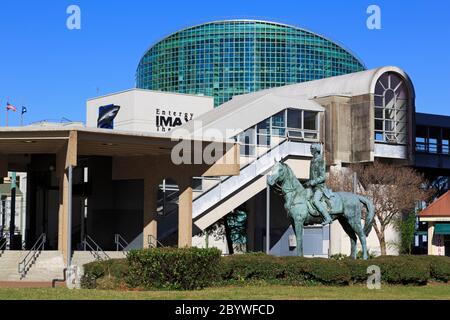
x: 393, y: 189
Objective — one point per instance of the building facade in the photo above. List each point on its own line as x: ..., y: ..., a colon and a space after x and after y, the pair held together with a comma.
x: 227, y: 58
x: 149, y: 111
x: 359, y: 117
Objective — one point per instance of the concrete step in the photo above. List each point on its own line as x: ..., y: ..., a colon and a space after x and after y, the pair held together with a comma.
x: 49, y: 265
x: 82, y: 257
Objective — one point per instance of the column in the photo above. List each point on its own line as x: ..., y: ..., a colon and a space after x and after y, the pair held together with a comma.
x: 63, y: 210
x: 150, y: 232
x: 185, y: 213
x: 430, y: 237
x: 65, y: 158
x: 251, y: 225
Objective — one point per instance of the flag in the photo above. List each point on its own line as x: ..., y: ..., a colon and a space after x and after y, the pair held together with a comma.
x: 24, y: 110
x: 10, y: 107
x: 106, y: 115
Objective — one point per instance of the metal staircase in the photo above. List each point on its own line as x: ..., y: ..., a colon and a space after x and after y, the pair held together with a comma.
x: 252, y: 173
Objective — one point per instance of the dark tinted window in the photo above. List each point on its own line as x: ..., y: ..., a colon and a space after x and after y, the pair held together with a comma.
x: 294, y: 119
x: 310, y: 120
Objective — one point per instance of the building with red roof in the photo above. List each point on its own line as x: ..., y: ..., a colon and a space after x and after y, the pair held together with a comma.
x: 437, y: 215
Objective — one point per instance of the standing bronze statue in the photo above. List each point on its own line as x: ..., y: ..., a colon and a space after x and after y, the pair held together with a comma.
x: 316, y: 204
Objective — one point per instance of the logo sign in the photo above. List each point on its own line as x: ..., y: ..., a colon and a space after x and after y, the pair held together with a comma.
x: 168, y: 119
x: 106, y: 115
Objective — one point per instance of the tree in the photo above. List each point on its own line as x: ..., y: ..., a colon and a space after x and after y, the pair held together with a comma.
x: 440, y: 185
x: 232, y: 227
x: 406, y: 226
x: 395, y: 191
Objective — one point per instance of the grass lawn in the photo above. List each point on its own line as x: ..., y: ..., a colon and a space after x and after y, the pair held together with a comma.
x: 253, y: 292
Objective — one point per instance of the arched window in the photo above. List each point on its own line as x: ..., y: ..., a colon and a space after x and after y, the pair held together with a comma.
x: 391, y: 109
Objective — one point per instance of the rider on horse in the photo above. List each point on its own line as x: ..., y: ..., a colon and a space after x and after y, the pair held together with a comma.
x: 317, y: 179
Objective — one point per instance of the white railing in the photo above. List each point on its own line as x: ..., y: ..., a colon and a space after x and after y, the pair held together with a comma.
x: 120, y: 242
x: 153, y: 242
x: 260, y: 166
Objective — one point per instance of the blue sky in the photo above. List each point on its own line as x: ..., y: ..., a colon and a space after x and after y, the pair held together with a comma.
x: 53, y: 71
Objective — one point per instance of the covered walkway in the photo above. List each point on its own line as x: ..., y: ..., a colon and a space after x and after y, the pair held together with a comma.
x: 76, y: 172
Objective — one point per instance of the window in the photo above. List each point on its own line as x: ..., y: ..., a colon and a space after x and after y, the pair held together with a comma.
x: 279, y: 124
x: 391, y: 109
x: 310, y: 120
x: 247, y: 140
x: 294, y: 123
x: 263, y: 132
x: 445, y: 141
x: 294, y: 119
x: 433, y: 140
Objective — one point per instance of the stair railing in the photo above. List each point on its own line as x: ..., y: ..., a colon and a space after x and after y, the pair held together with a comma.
x: 3, y: 244
x: 120, y: 242
x: 153, y: 242
x: 94, y: 248
x: 30, y: 258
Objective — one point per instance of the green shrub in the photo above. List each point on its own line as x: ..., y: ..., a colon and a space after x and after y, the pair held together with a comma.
x: 116, y: 268
x: 359, y: 254
x: 285, y: 270
x: 338, y: 256
x: 357, y: 269
x: 439, y: 267
x: 109, y: 283
x: 88, y: 281
x: 173, y: 268
x: 403, y: 269
x: 300, y: 271
x: 309, y: 271
x: 250, y: 267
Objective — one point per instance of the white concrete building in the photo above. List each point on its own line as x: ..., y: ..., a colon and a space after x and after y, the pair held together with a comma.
x: 149, y: 111
x: 358, y: 117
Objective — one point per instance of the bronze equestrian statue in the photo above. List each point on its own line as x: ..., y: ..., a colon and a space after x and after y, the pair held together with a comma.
x: 316, y: 204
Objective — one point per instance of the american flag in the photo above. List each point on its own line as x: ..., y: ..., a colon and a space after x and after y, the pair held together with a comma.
x: 10, y: 107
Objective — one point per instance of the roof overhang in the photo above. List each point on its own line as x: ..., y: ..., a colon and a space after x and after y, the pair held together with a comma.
x: 104, y: 142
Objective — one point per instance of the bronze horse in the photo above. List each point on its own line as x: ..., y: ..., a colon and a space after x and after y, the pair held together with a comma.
x: 346, y: 207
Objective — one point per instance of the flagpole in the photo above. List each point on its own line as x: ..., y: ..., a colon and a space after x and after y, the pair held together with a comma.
x: 7, y: 100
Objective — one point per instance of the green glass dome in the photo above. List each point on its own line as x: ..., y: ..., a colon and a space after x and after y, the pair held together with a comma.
x: 227, y: 58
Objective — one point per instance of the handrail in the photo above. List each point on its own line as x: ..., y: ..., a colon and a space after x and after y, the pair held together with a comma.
x: 120, y: 242
x: 172, y: 194
x: 30, y: 258
x: 218, y: 185
x: 153, y: 242
x: 95, y: 251
x: 3, y: 244
x: 243, y: 167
